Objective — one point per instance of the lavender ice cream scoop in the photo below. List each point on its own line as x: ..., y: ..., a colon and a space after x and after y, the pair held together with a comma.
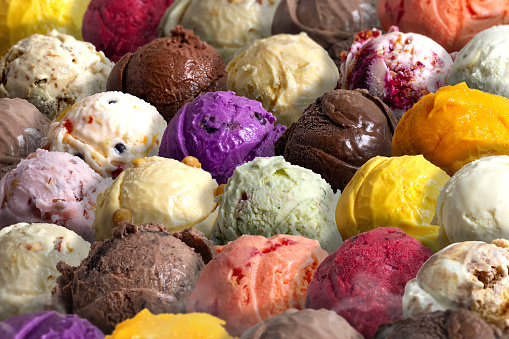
x: 399, y: 68
x: 48, y: 325
x: 223, y: 131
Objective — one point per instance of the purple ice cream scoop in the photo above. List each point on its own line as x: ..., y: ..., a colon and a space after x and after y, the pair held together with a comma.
x: 48, y: 325
x: 222, y: 130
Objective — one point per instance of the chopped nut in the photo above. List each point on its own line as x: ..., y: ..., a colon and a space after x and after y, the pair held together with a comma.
x: 219, y: 190
x: 33, y: 246
x: 139, y: 161
x: 191, y: 161
x: 122, y: 214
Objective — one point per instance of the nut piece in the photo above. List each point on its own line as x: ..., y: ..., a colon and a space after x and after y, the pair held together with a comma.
x: 138, y: 161
x: 191, y: 161
x: 219, y: 190
x: 122, y: 214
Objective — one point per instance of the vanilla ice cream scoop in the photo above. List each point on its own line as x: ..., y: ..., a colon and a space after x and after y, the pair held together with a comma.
x: 108, y: 130
x: 472, y: 275
x: 473, y: 204
x: 398, y: 68
x: 53, y: 71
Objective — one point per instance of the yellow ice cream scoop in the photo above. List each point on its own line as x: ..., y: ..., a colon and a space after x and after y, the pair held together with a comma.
x: 21, y: 18
x: 397, y: 191
x: 175, y: 326
x: 453, y: 127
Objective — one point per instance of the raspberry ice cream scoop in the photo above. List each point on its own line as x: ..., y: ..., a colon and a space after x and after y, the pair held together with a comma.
x: 398, y: 68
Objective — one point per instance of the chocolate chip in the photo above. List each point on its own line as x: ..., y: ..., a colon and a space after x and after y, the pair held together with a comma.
x: 112, y: 102
x: 210, y: 129
x: 260, y: 118
x: 120, y: 148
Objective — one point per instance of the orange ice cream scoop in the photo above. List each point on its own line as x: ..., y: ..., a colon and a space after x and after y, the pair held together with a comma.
x: 254, y: 278
x: 453, y: 127
x: 451, y: 23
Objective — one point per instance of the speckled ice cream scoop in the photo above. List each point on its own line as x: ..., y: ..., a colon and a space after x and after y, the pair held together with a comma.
x: 108, y: 130
x: 398, y: 68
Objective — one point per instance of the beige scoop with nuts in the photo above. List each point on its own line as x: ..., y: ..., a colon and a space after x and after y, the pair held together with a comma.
x: 177, y: 194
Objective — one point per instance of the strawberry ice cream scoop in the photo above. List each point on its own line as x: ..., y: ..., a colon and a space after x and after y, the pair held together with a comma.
x: 364, y: 280
x: 254, y: 278
x: 398, y: 68
x: 51, y: 187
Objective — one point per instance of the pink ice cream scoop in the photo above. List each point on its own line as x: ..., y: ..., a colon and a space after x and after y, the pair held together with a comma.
x: 117, y: 27
x: 51, y: 187
x: 254, y: 278
x: 398, y: 68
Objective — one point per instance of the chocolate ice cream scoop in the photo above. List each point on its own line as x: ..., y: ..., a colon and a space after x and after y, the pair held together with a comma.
x: 450, y: 324
x: 168, y: 72
x: 139, y: 267
x: 22, y: 130
x: 338, y: 133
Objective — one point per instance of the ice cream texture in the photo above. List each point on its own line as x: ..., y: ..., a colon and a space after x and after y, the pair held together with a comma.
x: 269, y: 196
x: 22, y: 130
x: 20, y: 18
x: 338, y: 133
x: 261, y: 277
x: 108, y: 130
x: 161, y: 190
x: 168, y: 72
x: 364, y: 280
x: 226, y: 25
x: 29, y: 254
x: 167, y: 325
x: 53, y: 71
x: 471, y: 275
x: 48, y: 325
x: 450, y: 23
x: 454, y: 126
x: 472, y: 205
x: 285, y: 72
x: 121, y: 26
x: 222, y: 131
x: 484, y: 62
x: 303, y: 324
x: 399, y: 68
x: 396, y: 191
x: 450, y: 324
x: 51, y: 187
x: 137, y: 268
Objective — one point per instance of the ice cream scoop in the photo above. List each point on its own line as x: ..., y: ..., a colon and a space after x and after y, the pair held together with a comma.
x: 226, y: 25
x: 269, y: 196
x: 364, y: 280
x: 137, y: 268
x: 254, y: 278
x: 222, y: 130
x: 471, y: 275
x: 398, y: 68
x: 48, y: 325
x: 28, y: 257
x: 454, y: 126
x: 303, y: 324
x: 22, y: 130
x: 19, y: 19
x: 397, y: 191
x: 108, y: 130
x: 53, y: 71
x: 51, y: 187
x: 471, y: 206
x: 191, y: 325
x: 285, y: 72
x: 168, y: 72
x: 328, y: 22
x: 121, y: 26
x: 450, y: 23
x: 338, y: 133
x: 161, y: 190
x: 483, y: 62
x: 450, y: 324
